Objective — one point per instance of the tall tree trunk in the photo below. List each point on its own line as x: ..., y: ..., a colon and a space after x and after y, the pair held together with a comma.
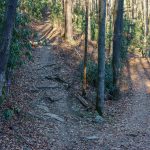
x: 89, y: 19
x: 68, y: 19
x: 63, y: 4
x: 133, y: 10
x: 146, y: 17
x: 6, y: 39
x: 146, y: 20
x: 117, y: 39
x: 110, y: 24
x: 101, y: 57
x: 86, y: 48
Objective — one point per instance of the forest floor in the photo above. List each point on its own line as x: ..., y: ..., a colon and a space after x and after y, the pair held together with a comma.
x: 51, y: 115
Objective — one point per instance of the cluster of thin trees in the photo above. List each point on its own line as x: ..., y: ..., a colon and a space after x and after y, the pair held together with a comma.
x: 110, y: 11
x: 133, y: 9
x: 117, y: 36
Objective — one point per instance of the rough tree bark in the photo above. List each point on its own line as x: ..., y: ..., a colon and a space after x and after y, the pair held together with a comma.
x: 86, y: 48
x: 68, y: 20
x: 6, y: 39
x: 101, y: 57
x: 109, y: 19
x: 146, y: 19
x: 89, y: 19
x: 117, y: 39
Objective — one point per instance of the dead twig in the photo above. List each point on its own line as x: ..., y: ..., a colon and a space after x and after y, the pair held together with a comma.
x: 78, y: 53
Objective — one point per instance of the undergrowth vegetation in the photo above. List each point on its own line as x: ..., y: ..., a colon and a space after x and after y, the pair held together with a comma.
x: 33, y: 10
x: 92, y: 70
x: 21, y: 37
x: 20, y: 48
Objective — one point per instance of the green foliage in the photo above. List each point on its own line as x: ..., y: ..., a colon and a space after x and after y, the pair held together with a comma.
x: 109, y: 34
x: 16, y: 110
x: 8, y: 113
x: 2, y: 10
x: 94, y: 27
x: 21, y: 36
x: 148, y: 49
x: 43, y: 8
x: 138, y: 38
x: 2, y: 98
x: 34, y: 8
x: 92, y: 73
x: 127, y: 37
x: 79, y: 18
x: 133, y: 38
x: 78, y: 10
x: 20, y: 42
x: 20, y: 46
x: 108, y: 77
x: 56, y: 11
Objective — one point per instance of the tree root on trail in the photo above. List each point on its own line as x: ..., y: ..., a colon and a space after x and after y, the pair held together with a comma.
x: 48, y: 98
x: 83, y: 101
x: 47, y: 87
x: 46, y: 66
x: 58, y: 79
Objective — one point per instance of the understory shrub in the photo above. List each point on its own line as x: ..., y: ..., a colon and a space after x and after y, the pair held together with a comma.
x: 20, y: 45
x: 92, y: 72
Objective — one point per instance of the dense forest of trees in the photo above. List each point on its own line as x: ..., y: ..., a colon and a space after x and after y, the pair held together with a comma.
x: 119, y: 27
x: 74, y: 74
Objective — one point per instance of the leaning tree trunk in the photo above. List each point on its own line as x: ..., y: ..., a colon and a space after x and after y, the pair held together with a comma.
x: 117, y: 39
x: 101, y: 57
x: 6, y: 39
x: 68, y: 20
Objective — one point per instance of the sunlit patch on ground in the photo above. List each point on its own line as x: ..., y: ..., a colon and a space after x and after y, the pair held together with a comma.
x: 147, y: 83
x: 132, y: 74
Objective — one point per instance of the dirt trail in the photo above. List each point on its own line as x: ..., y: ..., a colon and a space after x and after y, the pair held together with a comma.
x: 138, y: 118
x: 133, y: 127
x: 47, y: 120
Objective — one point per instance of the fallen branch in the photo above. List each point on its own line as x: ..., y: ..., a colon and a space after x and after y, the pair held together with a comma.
x: 83, y: 101
x: 78, y: 53
x: 51, y: 100
x: 54, y: 116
